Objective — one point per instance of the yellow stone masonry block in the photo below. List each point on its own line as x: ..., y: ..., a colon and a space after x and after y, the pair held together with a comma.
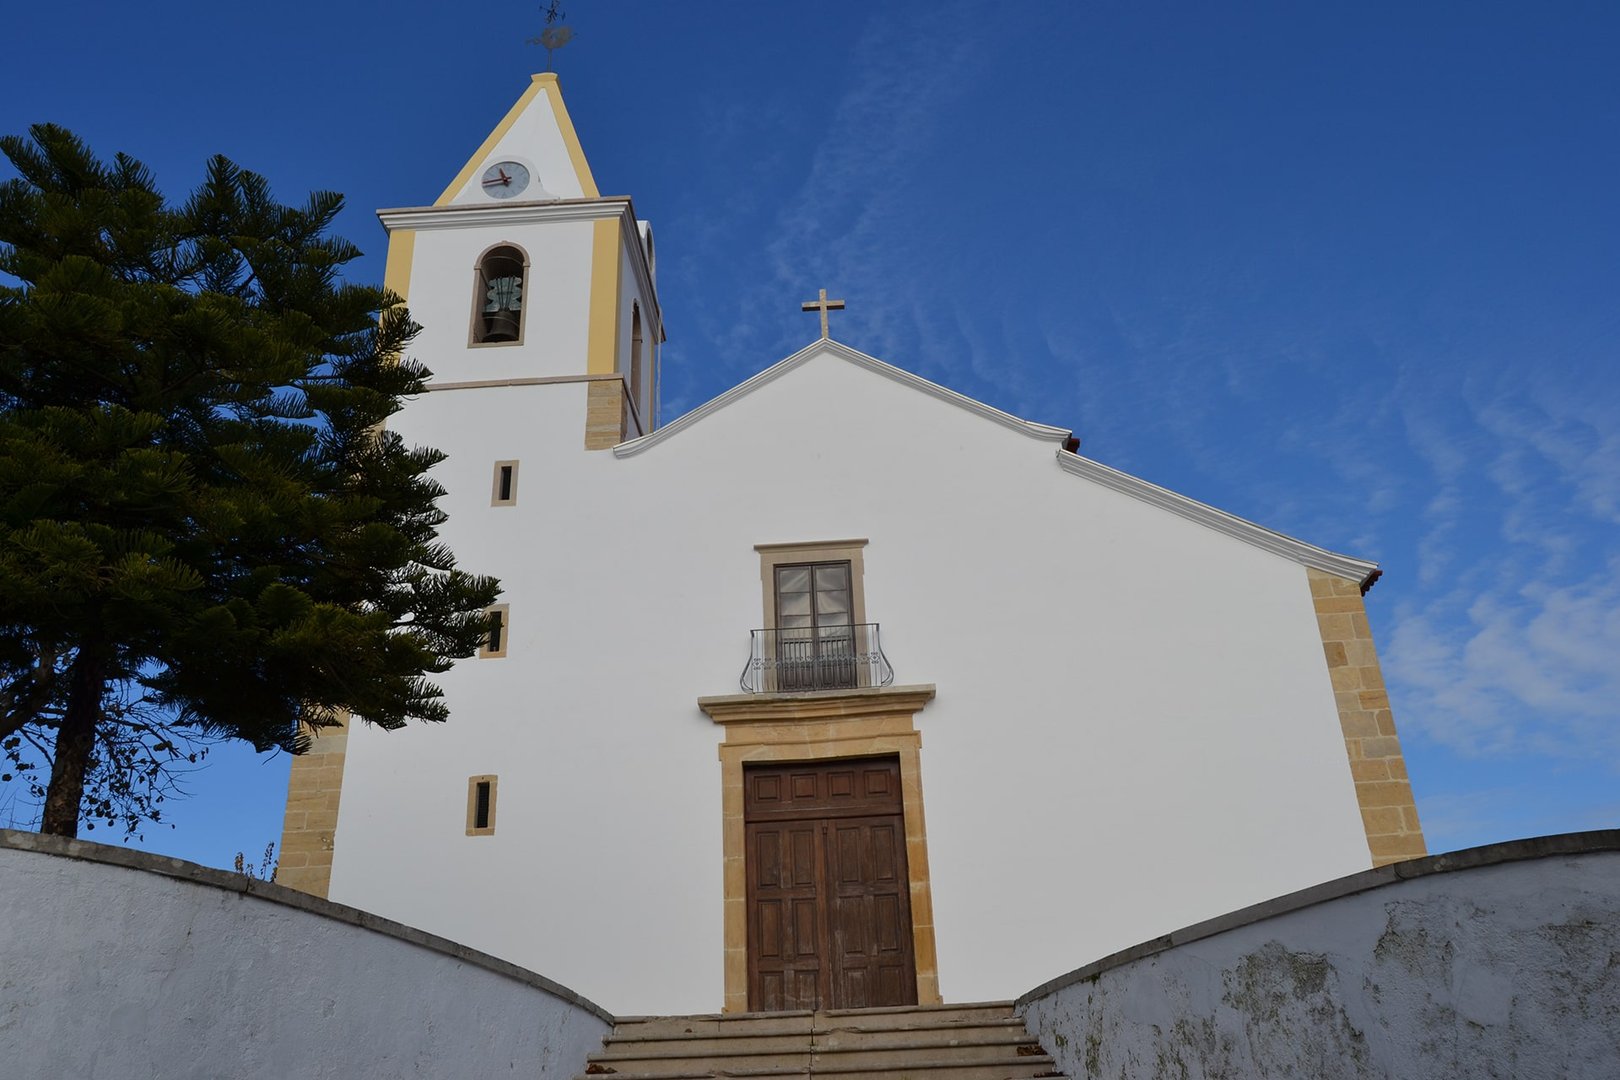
x: 1375, y: 769
x: 1335, y: 627
x: 1345, y: 678
x: 1374, y: 699
x: 1359, y: 725
x: 1384, y: 746
x: 321, y: 821
x: 309, y: 840
x: 301, y: 800
x: 1383, y: 819
x: 1361, y: 653
x: 1373, y: 793
x: 736, y: 933
x: 604, y: 414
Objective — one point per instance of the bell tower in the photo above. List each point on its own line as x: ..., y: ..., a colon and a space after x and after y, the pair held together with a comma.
x: 522, y: 273
x: 541, y: 325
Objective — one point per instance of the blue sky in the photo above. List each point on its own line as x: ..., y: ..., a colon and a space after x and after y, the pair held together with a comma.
x: 1352, y: 272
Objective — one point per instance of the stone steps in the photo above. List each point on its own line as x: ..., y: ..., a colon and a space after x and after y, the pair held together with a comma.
x: 982, y: 1041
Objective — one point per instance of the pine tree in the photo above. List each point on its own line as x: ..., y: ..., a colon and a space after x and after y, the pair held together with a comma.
x: 204, y: 526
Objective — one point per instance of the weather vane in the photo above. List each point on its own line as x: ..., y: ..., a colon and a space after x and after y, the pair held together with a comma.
x: 555, y: 35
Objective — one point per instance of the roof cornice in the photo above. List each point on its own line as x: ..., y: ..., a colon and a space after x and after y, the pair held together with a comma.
x: 510, y: 213
x: 1345, y: 566
x: 859, y: 359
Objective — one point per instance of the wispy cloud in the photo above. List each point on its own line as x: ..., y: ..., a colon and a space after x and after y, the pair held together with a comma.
x: 1515, y: 646
x: 842, y: 223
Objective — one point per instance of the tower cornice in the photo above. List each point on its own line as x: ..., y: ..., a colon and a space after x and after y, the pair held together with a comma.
x: 409, y: 220
x: 510, y: 213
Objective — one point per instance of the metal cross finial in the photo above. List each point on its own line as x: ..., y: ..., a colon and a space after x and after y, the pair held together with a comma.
x: 823, y: 305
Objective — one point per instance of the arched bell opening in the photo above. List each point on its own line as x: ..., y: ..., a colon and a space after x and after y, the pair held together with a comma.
x: 498, y: 297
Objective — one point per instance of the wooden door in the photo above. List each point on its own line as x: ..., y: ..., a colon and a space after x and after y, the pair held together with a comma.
x: 829, y: 897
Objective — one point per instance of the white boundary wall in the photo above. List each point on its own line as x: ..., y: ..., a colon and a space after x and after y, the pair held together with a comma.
x: 1498, y: 961
x: 126, y: 966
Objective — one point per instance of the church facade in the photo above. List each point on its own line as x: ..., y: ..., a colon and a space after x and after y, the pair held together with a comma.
x: 840, y: 690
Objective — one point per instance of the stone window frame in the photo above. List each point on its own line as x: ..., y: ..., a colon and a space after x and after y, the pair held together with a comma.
x: 505, y: 611
x: 799, y: 553
x: 495, y: 484
x: 762, y: 728
x: 488, y: 829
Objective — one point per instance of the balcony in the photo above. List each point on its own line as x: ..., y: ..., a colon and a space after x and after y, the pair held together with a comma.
x: 793, y: 660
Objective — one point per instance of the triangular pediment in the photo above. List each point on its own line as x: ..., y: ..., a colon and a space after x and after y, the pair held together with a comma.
x: 1345, y: 566
x: 533, y: 152
x: 840, y: 351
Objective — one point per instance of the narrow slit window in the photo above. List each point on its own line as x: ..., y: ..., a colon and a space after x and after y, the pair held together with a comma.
x: 635, y: 367
x: 498, y: 630
x: 481, y: 805
x: 503, y: 492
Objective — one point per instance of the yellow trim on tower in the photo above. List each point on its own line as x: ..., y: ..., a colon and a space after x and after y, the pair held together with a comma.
x: 576, y: 152
x: 607, y: 265
x: 397, y: 270
x: 495, y: 136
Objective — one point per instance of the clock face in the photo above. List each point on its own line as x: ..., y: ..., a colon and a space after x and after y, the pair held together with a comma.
x: 505, y: 180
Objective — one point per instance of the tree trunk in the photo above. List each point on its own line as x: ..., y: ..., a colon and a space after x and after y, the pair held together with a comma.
x: 75, y: 746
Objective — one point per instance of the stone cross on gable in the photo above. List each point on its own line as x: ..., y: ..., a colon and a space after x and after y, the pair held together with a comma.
x: 822, y: 305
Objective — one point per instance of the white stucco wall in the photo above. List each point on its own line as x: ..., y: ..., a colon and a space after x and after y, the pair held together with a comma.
x: 556, y: 300
x: 1134, y: 726
x: 1503, y: 969
x: 116, y: 965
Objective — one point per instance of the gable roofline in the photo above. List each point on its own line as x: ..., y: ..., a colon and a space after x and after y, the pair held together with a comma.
x: 859, y: 359
x: 541, y: 84
x: 1360, y: 571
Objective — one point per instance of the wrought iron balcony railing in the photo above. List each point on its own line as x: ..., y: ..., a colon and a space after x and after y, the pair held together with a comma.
x: 785, y: 660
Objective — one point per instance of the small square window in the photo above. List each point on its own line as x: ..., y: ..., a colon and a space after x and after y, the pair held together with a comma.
x: 503, y: 489
x: 481, y: 805
x: 498, y: 631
